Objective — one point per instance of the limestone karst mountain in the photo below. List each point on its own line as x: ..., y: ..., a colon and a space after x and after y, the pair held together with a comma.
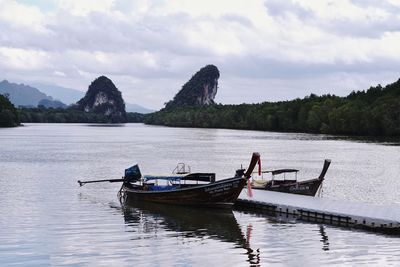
x: 103, y: 97
x: 199, y: 90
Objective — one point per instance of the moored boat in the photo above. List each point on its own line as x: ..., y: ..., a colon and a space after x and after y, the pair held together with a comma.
x: 182, y: 188
x: 203, y: 190
x: 307, y: 187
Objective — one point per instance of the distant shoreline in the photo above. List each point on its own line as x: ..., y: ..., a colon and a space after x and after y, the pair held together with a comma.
x: 372, y: 138
x: 70, y: 115
x: 390, y: 140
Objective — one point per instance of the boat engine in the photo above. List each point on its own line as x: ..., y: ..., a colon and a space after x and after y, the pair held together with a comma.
x: 133, y: 174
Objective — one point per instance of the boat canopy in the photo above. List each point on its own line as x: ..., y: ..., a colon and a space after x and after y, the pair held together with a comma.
x: 147, y: 178
x: 202, y: 177
x: 280, y: 171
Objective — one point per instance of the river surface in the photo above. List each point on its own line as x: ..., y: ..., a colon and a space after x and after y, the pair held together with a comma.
x: 46, y: 219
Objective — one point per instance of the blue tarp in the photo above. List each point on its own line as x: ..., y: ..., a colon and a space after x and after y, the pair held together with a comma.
x: 161, y: 187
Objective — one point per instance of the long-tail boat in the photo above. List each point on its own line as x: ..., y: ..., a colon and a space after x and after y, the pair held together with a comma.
x: 307, y: 187
x: 182, y: 188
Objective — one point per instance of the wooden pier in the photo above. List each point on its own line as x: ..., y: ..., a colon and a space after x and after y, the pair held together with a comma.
x: 324, y: 210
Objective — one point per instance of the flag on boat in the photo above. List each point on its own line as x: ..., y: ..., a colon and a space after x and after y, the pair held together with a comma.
x: 249, y: 190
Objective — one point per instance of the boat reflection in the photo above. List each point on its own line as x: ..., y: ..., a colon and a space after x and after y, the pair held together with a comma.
x: 324, y: 238
x: 288, y: 219
x: 189, y: 222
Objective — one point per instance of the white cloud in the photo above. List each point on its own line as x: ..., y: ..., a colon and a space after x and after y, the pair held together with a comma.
x: 59, y: 73
x: 19, y: 16
x: 84, y: 7
x: 150, y: 48
x: 21, y: 59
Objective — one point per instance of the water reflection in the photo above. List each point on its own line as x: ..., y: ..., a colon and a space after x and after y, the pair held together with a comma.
x: 286, y: 218
x: 324, y: 239
x: 105, y: 125
x: 189, y: 222
x: 381, y: 140
x: 291, y: 221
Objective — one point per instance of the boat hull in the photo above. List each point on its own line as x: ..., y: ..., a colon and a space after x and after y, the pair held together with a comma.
x: 306, y: 188
x: 221, y: 194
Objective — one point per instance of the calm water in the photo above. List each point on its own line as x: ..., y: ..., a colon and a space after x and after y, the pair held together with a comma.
x: 46, y: 219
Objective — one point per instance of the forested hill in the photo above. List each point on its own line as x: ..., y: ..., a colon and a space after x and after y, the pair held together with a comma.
x: 8, y: 113
x: 375, y: 111
x: 199, y: 90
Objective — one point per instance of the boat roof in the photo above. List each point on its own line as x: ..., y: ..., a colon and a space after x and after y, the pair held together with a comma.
x: 197, y: 176
x: 280, y: 171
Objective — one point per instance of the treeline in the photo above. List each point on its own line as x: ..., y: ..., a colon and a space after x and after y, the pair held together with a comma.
x: 372, y: 112
x: 71, y: 115
x: 8, y: 113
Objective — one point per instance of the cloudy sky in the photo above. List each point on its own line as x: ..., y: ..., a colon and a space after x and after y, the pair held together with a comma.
x: 265, y: 50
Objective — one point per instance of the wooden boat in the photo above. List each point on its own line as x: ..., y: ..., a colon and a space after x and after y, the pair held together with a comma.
x: 182, y: 188
x: 194, y: 189
x: 307, y: 187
